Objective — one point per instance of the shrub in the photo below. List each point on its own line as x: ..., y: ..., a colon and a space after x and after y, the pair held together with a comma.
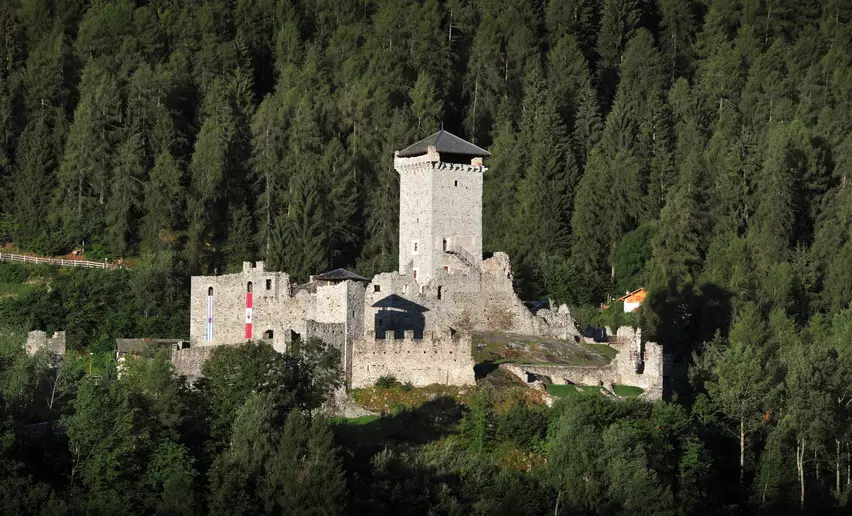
x: 407, y: 386
x: 386, y: 381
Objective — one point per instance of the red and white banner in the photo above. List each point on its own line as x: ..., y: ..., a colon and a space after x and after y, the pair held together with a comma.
x: 248, y: 315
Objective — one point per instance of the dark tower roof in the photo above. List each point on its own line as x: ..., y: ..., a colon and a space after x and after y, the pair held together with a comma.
x: 339, y: 275
x: 445, y: 143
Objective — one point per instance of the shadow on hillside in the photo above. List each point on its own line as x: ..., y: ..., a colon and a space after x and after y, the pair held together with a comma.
x: 429, y: 422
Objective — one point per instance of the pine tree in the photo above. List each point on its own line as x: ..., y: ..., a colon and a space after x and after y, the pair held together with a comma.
x: 619, y: 18
x: 576, y: 18
x: 426, y: 105
x: 239, y: 246
x: 677, y: 30
x: 163, y: 204
x: 341, y: 199
x: 210, y: 167
x: 546, y: 189
x: 567, y: 76
x: 36, y: 166
x: 268, y: 141
x: 588, y: 124
x: 301, y: 245
x: 679, y: 245
x: 125, y: 195
x: 771, y: 228
x: 501, y: 183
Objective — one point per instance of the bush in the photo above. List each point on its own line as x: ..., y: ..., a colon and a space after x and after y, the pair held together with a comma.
x: 407, y: 386
x: 386, y: 382
x: 13, y: 273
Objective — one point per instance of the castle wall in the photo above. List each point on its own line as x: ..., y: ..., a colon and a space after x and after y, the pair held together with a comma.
x: 622, y: 370
x: 277, y: 309
x: 436, y: 358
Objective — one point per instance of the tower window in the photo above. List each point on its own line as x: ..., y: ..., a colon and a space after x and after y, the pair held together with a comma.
x: 249, y: 287
x: 377, y: 288
x: 439, y: 292
x: 445, y: 245
x: 269, y: 284
x: 456, y: 183
x: 416, y: 246
x: 210, y: 291
x: 415, y: 273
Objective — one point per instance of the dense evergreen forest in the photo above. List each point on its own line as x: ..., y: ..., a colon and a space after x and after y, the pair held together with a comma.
x: 697, y: 148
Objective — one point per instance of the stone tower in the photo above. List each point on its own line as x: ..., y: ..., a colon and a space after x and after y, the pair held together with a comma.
x: 440, y: 204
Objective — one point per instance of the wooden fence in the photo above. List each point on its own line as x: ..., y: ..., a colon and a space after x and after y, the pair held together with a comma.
x: 61, y: 262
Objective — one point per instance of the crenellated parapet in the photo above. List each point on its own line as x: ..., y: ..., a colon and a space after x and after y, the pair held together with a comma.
x: 438, y: 357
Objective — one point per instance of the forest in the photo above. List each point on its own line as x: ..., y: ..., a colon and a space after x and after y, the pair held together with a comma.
x: 699, y: 149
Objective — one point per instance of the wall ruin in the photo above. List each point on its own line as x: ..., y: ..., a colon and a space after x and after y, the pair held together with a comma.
x: 38, y: 339
x: 464, y: 297
x: 637, y: 363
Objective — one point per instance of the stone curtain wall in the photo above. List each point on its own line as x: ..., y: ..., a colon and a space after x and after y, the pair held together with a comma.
x: 38, y: 339
x: 622, y: 370
x: 471, y: 299
x: 190, y: 361
x: 436, y: 358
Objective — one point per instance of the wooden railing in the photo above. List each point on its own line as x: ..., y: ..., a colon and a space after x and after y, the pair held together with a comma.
x: 61, y: 262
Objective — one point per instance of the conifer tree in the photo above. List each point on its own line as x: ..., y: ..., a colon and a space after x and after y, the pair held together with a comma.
x: 302, y: 245
x: 36, y: 166
x: 679, y: 245
x: 210, y: 167
x: 163, y: 204
x: 588, y: 124
x: 567, y: 76
x: 341, y: 198
x: 426, y: 105
x: 126, y: 194
x: 619, y: 18
x: 500, y: 184
x: 268, y: 141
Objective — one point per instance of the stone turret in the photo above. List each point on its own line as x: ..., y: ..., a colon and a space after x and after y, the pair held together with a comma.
x: 440, y: 204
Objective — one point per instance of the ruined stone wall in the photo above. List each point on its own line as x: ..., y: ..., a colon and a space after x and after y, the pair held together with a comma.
x: 436, y: 358
x: 38, y: 339
x: 622, y: 370
x: 464, y: 298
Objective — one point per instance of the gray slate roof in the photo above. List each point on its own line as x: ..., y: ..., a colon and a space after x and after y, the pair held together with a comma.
x: 339, y: 275
x: 445, y: 143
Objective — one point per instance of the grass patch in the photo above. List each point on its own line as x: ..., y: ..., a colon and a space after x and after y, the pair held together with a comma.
x: 356, y: 421
x: 603, y: 349
x: 627, y: 391
x: 571, y: 390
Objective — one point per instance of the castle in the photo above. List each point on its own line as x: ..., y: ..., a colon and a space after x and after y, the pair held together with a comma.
x: 414, y: 323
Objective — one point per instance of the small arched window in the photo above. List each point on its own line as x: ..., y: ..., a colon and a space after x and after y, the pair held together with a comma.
x: 210, y: 291
x: 248, y: 287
